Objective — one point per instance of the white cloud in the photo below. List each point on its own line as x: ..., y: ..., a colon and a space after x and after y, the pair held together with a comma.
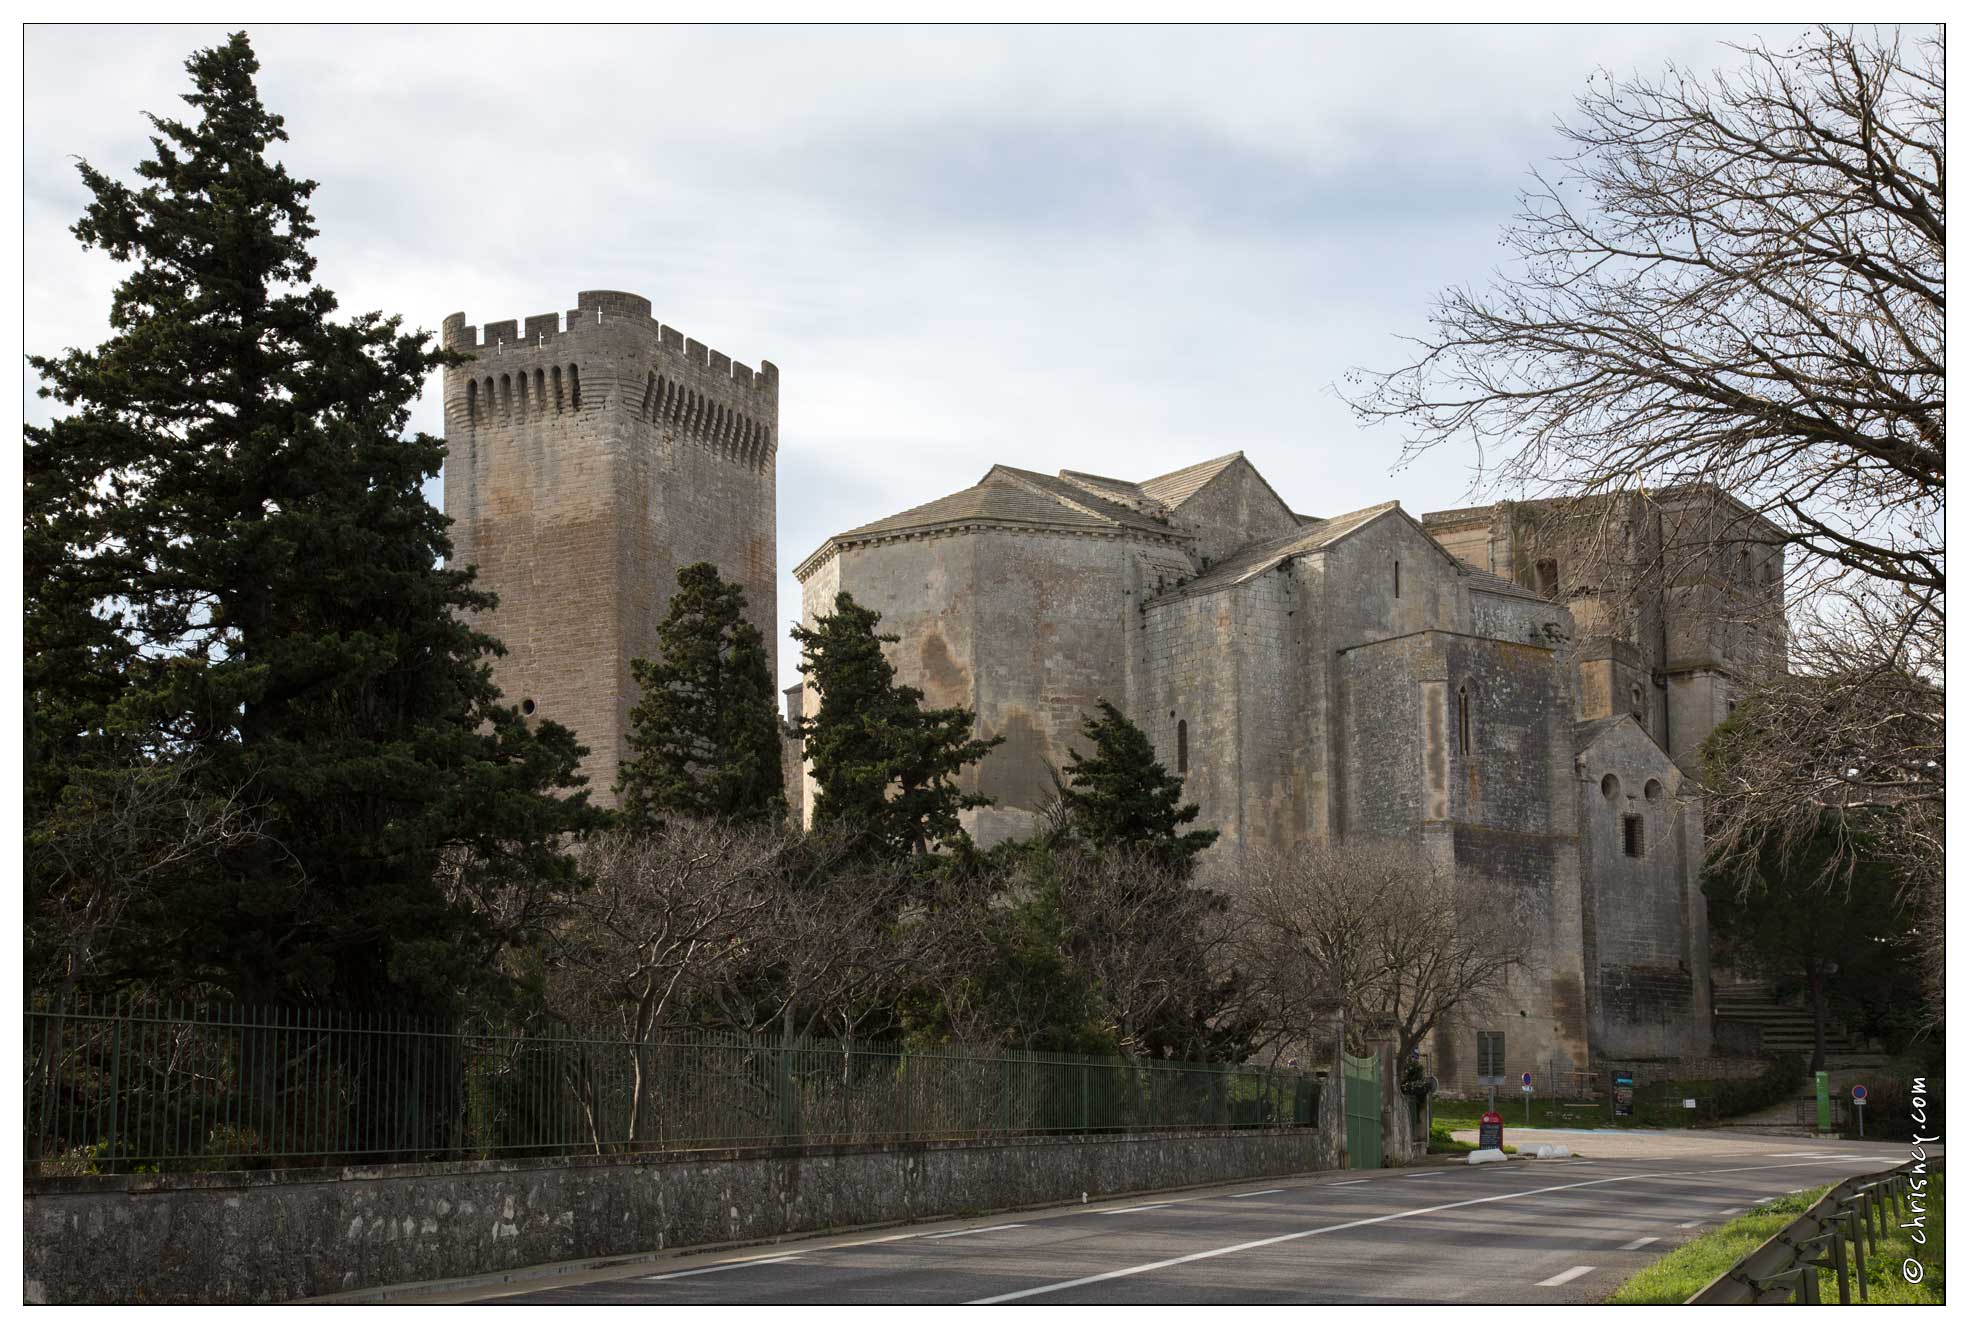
x: 1118, y: 250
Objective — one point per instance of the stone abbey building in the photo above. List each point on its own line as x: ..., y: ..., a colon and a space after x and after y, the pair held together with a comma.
x: 1519, y: 690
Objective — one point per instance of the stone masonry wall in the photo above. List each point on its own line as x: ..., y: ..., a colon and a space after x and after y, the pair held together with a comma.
x: 272, y: 1237
x: 1647, y: 974
x: 585, y: 465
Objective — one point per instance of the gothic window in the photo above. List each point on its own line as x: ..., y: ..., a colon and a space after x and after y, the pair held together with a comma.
x: 505, y: 396
x: 540, y: 391
x: 1640, y: 712
x: 472, y: 401
x: 1463, y: 721
x: 1548, y: 576
x: 1631, y: 837
x: 1182, y: 747
x: 557, y: 389
x: 521, y: 385
x: 574, y: 386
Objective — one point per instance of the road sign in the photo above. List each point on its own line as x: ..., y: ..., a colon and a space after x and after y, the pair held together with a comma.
x: 1859, y: 1093
x: 1623, y: 1095
x: 1525, y: 1079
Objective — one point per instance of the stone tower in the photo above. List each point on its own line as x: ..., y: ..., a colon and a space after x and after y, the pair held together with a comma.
x: 588, y: 462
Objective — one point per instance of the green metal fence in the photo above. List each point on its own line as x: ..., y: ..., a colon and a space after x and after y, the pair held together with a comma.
x: 160, y: 1087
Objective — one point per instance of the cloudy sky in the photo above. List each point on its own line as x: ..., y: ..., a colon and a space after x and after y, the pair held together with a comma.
x: 1113, y: 250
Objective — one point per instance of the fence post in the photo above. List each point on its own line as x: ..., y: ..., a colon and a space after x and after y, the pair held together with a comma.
x: 115, y: 1075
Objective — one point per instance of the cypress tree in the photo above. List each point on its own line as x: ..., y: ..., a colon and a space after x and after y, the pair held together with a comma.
x: 886, y: 767
x: 704, y: 736
x: 1121, y: 795
x: 232, y: 564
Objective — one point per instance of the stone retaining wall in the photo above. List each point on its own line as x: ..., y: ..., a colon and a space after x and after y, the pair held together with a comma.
x: 283, y: 1235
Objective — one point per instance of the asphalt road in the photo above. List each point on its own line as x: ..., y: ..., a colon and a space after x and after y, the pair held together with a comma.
x: 1517, y: 1232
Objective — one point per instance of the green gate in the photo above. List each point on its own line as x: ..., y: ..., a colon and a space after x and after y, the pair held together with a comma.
x: 1363, y: 1098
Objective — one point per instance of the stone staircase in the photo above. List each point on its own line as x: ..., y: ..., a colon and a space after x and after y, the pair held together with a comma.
x: 1787, y: 1027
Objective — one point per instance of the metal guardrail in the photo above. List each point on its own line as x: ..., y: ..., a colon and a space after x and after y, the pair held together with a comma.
x: 1839, y: 1233
x: 119, y: 1089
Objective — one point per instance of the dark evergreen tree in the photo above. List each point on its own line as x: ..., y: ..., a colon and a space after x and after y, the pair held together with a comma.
x: 887, y: 768
x: 704, y: 737
x: 1121, y: 795
x: 1845, y: 939
x: 231, y: 563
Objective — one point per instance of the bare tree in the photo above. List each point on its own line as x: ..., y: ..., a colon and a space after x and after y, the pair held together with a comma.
x: 1734, y: 281
x: 1737, y: 282
x: 1368, y: 929
x: 117, y: 837
x: 1154, y: 946
x: 1853, y: 739
x: 1442, y: 944
x: 666, y: 913
x: 835, y: 948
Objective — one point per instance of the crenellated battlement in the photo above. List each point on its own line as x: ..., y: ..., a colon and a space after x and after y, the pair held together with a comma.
x: 590, y: 454
x: 605, y: 313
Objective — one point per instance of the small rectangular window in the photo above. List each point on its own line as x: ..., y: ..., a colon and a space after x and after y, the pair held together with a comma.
x: 1548, y: 576
x: 1490, y: 1055
x: 1182, y: 747
x: 1631, y: 837
x: 1398, y: 579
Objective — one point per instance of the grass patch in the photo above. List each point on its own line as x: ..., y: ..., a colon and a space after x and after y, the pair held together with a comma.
x: 1461, y: 1114
x: 1442, y: 1142
x: 1691, y: 1267
x: 1688, y: 1269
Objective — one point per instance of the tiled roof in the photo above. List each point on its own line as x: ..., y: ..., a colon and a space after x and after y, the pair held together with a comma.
x: 1171, y: 489
x: 1126, y: 490
x: 1496, y: 585
x: 1025, y: 498
x: 1067, y: 492
x: 1262, y: 556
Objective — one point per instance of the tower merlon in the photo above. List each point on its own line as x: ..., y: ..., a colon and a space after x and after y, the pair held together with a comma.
x: 607, y: 312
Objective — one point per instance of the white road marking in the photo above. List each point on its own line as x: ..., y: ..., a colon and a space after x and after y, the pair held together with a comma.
x: 1566, y: 1277
x: 1362, y: 1182
x: 1639, y: 1242
x: 1695, y: 1222
x: 1151, y: 1267
x: 718, y: 1268
x: 1414, y: 1175
x: 971, y: 1231
x: 1764, y: 1200
x: 1137, y: 1208
x: 1245, y: 1195
x: 1721, y: 1212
